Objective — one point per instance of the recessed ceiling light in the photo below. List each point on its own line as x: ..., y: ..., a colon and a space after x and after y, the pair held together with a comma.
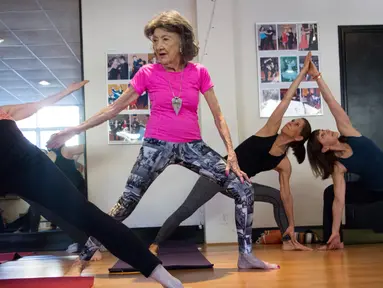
x: 1, y: 40
x: 44, y: 83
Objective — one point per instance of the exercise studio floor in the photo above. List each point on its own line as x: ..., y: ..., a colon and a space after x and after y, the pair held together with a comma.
x: 356, y: 266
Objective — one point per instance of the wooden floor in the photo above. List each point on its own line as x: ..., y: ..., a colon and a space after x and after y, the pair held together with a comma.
x: 356, y: 266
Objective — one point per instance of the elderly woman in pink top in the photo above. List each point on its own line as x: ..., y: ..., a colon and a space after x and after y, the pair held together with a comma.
x: 173, y: 134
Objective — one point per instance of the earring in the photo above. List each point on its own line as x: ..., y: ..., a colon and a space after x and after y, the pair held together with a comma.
x: 181, y: 50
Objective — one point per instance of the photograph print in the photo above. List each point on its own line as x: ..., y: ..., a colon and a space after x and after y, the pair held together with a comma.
x: 118, y: 68
x: 287, y: 37
x: 296, y: 108
x: 289, y: 68
x: 311, y: 99
x: 269, y: 101
x: 296, y: 97
x: 116, y: 90
x: 308, y: 37
x: 315, y: 60
x: 128, y: 129
x: 152, y: 58
x: 136, y: 61
x: 269, y: 69
x: 266, y: 37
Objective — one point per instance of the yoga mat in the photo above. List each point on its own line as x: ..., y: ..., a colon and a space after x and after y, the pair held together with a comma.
x: 51, y: 282
x: 5, y: 257
x: 174, y: 256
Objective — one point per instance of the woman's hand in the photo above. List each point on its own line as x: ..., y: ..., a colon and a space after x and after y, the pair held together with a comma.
x: 57, y: 140
x: 293, y: 243
x: 232, y: 164
x: 75, y: 86
x: 306, y: 64
x: 312, y: 71
x: 334, y: 241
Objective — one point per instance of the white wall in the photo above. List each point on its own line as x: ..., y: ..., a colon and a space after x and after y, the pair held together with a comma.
x: 219, y: 59
x: 232, y: 62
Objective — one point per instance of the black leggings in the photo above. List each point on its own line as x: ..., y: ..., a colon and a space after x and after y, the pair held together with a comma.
x: 29, y: 173
x: 204, y: 190
x: 356, y: 193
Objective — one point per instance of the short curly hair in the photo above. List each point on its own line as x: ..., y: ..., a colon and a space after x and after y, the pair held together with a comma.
x: 173, y: 21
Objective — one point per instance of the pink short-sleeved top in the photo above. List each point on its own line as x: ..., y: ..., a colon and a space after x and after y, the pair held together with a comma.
x: 163, y: 123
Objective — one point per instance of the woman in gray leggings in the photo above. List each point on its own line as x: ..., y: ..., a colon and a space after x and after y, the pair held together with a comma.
x: 203, y: 191
x: 264, y: 151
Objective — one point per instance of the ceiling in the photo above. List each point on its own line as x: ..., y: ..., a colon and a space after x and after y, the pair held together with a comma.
x: 41, y: 42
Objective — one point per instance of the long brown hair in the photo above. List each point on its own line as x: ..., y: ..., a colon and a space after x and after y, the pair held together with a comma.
x: 322, y: 164
x: 299, y: 146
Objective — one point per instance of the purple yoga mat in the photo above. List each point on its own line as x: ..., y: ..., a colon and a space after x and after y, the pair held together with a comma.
x: 174, y: 256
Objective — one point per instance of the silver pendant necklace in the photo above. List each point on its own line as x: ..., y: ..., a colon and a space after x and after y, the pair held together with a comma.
x: 176, y: 100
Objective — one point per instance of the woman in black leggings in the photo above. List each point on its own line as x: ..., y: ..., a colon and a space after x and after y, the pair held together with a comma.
x: 26, y: 171
x: 264, y: 151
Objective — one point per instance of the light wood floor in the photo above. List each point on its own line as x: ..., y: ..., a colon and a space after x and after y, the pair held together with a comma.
x: 356, y: 266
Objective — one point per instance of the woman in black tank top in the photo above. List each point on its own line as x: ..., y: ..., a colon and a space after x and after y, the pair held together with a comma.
x: 264, y: 151
x: 333, y: 155
x: 65, y: 160
x: 26, y: 171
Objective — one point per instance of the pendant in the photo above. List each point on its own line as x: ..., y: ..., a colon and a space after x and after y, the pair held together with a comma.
x: 176, y: 103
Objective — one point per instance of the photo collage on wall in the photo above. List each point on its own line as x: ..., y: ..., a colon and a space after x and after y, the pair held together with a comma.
x: 130, y: 125
x: 281, y: 49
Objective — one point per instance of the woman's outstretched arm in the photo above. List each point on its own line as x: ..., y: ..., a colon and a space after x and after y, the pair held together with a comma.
x: 343, y: 122
x: 22, y: 111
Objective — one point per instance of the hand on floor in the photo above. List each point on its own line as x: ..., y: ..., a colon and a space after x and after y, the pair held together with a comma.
x: 293, y: 244
x: 334, y: 247
x: 334, y: 241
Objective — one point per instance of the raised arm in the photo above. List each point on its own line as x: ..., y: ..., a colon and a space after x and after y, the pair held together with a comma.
x: 103, y: 115
x: 343, y: 122
x: 274, y: 122
x: 22, y: 111
x: 223, y: 129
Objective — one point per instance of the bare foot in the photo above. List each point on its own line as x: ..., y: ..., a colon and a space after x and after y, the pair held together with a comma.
x: 249, y: 261
x: 154, y: 249
x: 290, y: 246
x: 325, y: 247
x: 97, y: 256
x: 77, y: 267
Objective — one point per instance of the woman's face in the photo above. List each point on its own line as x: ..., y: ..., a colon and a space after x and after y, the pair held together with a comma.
x: 115, y: 63
x: 166, y: 46
x: 328, y: 138
x: 294, y: 128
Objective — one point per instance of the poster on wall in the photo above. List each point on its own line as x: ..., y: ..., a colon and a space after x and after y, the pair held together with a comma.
x: 281, y: 50
x: 129, y: 126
